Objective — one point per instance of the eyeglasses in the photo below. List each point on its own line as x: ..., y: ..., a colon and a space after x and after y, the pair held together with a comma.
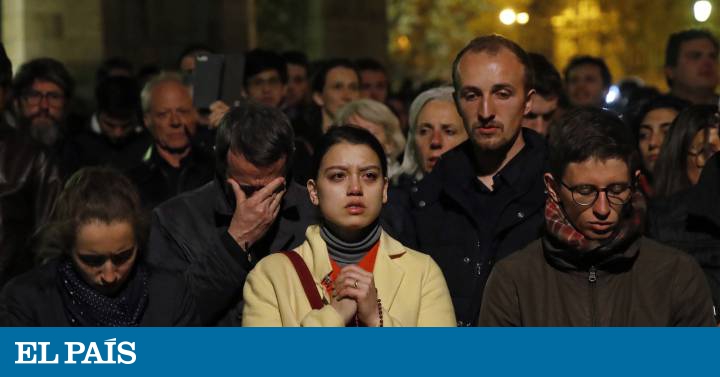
x: 34, y: 98
x: 93, y: 260
x: 586, y: 195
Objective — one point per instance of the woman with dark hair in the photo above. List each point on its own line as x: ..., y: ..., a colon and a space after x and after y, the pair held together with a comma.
x: 348, y: 272
x: 99, y: 278
x: 693, y: 139
x: 651, y: 123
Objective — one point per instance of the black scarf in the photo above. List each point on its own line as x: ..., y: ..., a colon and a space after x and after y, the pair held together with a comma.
x: 84, y: 306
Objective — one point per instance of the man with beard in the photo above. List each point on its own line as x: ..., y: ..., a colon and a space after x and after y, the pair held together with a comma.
x: 484, y: 198
x: 42, y: 89
x: 171, y: 165
x: 30, y: 180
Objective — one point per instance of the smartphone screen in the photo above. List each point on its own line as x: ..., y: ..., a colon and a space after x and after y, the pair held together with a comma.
x: 207, y: 80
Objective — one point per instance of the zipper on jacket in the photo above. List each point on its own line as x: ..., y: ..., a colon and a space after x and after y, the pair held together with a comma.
x: 592, y: 279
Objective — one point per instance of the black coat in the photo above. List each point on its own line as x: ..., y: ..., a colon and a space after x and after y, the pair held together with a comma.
x: 189, y: 237
x: 690, y: 221
x: 29, y: 184
x: 153, y: 180
x: 435, y: 217
x: 34, y: 299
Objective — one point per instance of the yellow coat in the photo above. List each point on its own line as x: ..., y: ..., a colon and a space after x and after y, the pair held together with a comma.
x: 410, y: 284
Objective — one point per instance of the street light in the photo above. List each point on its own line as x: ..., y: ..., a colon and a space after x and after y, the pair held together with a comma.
x: 702, y: 10
x: 507, y: 16
x: 522, y: 18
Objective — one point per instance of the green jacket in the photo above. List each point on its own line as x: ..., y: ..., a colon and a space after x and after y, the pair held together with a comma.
x: 647, y: 284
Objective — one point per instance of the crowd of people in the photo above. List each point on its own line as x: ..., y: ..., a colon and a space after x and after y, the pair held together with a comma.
x: 510, y: 196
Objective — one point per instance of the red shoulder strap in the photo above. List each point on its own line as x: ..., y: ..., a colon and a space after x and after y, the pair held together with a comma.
x: 306, y: 279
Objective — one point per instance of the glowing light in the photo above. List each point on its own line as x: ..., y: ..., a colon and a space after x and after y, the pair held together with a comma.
x: 522, y: 18
x: 613, y: 94
x: 403, y: 42
x: 507, y: 16
x: 702, y: 10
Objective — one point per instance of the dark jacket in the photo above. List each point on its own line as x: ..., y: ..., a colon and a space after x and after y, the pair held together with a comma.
x: 690, y: 221
x: 88, y: 148
x: 34, y: 299
x: 29, y: 184
x: 438, y: 216
x: 647, y: 284
x: 157, y: 181
x: 189, y: 237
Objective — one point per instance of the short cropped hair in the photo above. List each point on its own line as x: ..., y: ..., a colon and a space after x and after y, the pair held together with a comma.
x: 585, y: 133
x: 546, y: 78
x: 675, y: 41
x: 155, y: 81
x: 118, y: 97
x: 590, y: 60
x: 320, y: 75
x: 258, y: 60
x: 261, y: 134
x: 492, y: 44
x: 370, y: 64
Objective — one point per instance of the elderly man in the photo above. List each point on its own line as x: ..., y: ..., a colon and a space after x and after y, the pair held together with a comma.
x: 216, y: 234
x: 484, y: 198
x: 171, y: 165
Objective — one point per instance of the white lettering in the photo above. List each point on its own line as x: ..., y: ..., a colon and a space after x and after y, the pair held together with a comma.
x: 71, y: 352
x: 43, y: 354
x: 24, y: 353
x: 129, y: 352
x: 92, y: 352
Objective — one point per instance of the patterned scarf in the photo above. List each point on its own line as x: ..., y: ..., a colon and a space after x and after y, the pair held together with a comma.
x: 84, y: 306
x: 629, y: 228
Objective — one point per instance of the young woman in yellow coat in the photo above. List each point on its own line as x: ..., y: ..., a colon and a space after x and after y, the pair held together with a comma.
x: 348, y: 272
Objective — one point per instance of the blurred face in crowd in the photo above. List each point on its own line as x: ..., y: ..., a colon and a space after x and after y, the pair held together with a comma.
x: 653, y: 128
x: 541, y: 113
x: 492, y: 98
x: 439, y: 128
x: 171, y: 119
x: 42, y: 108
x: 585, y: 86
x: 704, y: 145
x: 105, y: 254
x: 373, y: 85
x: 595, y: 219
x: 341, y: 87
x: 267, y: 88
x: 378, y: 130
x: 116, y: 129
x: 298, y: 86
x: 349, y: 188
x: 697, y: 66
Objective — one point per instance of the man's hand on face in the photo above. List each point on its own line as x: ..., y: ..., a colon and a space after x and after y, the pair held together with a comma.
x: 254, y: 215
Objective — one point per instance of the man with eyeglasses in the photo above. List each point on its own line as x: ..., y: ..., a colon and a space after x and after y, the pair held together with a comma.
x: 30, y: 181
x: 42, y: 88
x: 593, y: 267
